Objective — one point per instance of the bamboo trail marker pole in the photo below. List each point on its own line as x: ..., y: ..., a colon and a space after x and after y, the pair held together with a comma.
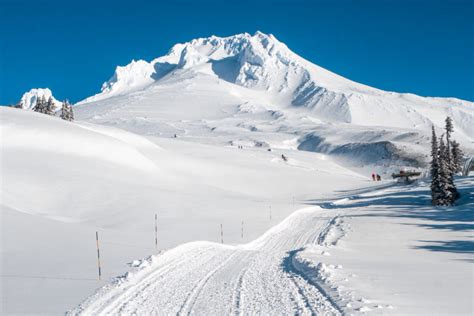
x: 242, y: 230
x: 222, y: 235
x: 156, y: 231
x: 270, y: 213
x: 98, y: 254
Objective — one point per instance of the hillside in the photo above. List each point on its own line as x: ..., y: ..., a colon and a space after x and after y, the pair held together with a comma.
x: 63, y: 181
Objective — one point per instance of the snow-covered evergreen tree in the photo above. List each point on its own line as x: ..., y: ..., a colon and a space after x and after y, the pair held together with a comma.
x: 449, y: 127
x: 449, y: 130
x: 447, y: 189
x: 40, y: 106
x: 434, y: 169
x: 49, y: 106
x: 37, y: 107
x: 67, y: 112
x: 457, y: 156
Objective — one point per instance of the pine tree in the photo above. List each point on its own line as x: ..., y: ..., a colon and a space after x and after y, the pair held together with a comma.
x: 448, y: 191
x: 19, y: 105
x: 457, y: 156
x: 40, y: 105
x: 449, y: 157
x: 449, y: 130
x: 37, y: 106
x: 49, y: 106
x: 435, y: 180
x: 66, y: 111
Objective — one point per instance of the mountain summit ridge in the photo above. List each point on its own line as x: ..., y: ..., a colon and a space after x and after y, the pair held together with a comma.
x: 257, y: 61
x: 263, y: 64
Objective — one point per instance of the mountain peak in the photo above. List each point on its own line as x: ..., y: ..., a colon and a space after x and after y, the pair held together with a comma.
x: 258, y: 61
x: 250, y: 57
x: 287, y: 81
x: 264, y: 36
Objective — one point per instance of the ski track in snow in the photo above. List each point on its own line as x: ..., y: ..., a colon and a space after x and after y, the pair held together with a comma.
x: 213, y: 279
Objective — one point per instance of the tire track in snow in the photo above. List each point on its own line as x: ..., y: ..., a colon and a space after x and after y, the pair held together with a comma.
x: 180, y: 285
x: 191, y: 300
x: 237, y: 298
x: 106, y: 304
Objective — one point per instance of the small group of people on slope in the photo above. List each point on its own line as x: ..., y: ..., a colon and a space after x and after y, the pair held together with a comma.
x: 376, y: 177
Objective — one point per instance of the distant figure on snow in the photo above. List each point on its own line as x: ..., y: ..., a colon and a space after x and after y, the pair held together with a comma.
x: 373, y: 176
x: 379, y: 178
x: 284, y: 157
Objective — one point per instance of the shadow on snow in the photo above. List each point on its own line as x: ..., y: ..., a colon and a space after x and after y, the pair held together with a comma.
x: 414, y: 202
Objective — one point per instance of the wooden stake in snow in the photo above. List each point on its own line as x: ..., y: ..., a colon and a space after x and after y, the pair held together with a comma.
x: 156, y: 231
x: 222, y: 235
x: 270, y: 213
x: 98, y: 254
x: 242, y: 230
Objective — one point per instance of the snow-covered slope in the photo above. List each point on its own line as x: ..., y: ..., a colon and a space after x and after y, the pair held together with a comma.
x: 62, y: 181
x: 28, y: 100
x: 255, y: 90
x: 347, y: 257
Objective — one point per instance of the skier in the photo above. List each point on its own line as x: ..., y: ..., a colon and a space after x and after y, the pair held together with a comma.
x: 284, y: 157
x: 373, y: 176
x: 379, y: 178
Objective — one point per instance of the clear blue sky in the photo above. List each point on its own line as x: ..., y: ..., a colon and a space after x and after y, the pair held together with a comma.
x: 420, y: 46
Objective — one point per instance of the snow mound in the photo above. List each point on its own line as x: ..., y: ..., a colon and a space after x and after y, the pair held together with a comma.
x: 46, y: 134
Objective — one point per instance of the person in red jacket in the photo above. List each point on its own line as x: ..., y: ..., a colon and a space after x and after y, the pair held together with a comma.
x: 373, y: 176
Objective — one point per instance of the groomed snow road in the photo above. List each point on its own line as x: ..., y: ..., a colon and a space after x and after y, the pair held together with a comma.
x: 212, y: 279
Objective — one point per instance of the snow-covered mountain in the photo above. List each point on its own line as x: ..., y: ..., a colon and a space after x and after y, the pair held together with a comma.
x: 28, y: 100
x: 261, y: 62
x: 256, y: 91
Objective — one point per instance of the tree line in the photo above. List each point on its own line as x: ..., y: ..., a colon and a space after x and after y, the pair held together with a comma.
x: 446, y: 161
x: 47, y: 107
